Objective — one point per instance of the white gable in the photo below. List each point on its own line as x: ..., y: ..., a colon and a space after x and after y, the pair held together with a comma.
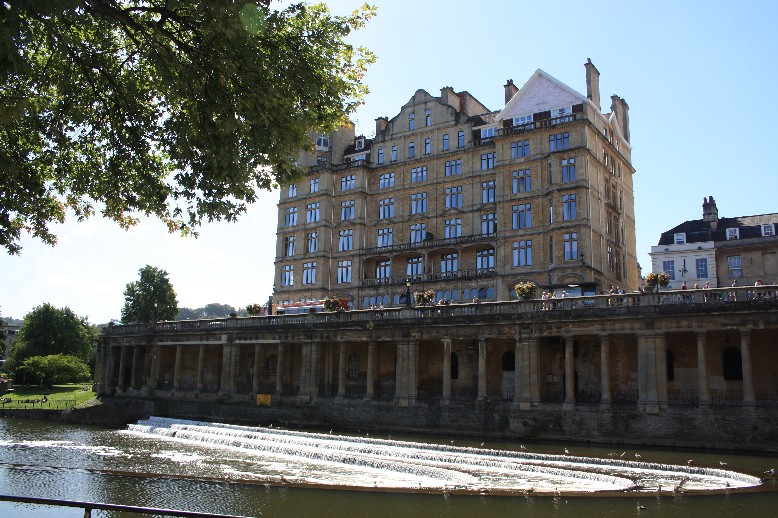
x: 541, y: 92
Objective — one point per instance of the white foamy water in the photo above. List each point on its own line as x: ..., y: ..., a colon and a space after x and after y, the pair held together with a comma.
x: 283, y: 456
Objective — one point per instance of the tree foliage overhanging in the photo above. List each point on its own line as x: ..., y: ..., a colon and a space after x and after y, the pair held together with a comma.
x: 176, y: 109
x: 150, y: 298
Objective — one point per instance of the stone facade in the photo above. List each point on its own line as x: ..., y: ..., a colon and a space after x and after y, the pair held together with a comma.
x: 465, y: 201
x: 667, y: 368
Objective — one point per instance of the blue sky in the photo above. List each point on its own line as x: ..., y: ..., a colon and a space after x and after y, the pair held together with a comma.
x: 699, y: 78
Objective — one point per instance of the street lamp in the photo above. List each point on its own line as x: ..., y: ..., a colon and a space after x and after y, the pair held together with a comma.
x: 408, y: 292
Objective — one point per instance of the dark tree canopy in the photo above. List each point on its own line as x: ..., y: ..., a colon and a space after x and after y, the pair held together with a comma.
x: 48, y: 330
x: 177, y: 109
x: 151, y: 298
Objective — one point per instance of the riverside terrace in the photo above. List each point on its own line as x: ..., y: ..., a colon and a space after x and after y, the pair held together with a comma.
x: 668, y: 367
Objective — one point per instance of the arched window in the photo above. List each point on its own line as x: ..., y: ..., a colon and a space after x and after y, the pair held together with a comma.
x: 454, y: 366
x: 670, y: 361
x: 270, y: 365
x: 353, y: 366
x: 731, y: 363
x: 509, y: 361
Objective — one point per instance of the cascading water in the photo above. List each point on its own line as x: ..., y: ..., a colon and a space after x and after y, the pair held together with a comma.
x: 283, y: 456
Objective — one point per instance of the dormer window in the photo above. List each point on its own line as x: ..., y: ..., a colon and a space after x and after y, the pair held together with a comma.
x: 768, y: 229
x: 524, y: 119
x: 680, y: 238
x: 487, y: 132
x: 733, y: 233
x: 360, y: 144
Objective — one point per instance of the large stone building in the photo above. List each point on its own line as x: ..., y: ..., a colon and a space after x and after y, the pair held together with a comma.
x: 455, y: 198
x: 719, y: 251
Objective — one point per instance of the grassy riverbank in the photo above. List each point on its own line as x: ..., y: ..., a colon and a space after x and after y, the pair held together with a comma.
x: 56, y: 397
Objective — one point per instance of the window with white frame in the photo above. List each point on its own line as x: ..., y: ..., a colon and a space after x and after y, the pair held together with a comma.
x: 348, y: 182
x: 452, y: 228
x: 292, y: 190
x: 733, y: 233
x: 454, y: 197
x: 702, y: 267
x: 521, y: 181
x: 290, y: 217
x: 386, y: 180
x: 735, y: 264
x: 314, y: 185
x: 488, y: 191
x: 312, y: 242
x: 768, y: 229
x: 344, y: 271
x: 418, y: 174
x: 668, y: 266
x: 289, y: 242
x: 522, y: 253
x: 418, y: 232
x: 415, y: 266
x: 383, y: 270
x: 309, y: 273
x: 346, y: 210
x: 568, y: 170
x: 322, y: 142
x: 522, y: 120
x: 521, y: 216
x: 345, y: 240
x: 489, y: 223
x: 449, y: 262
x: 520, y: 148
x: 488, y: 132
x: 312, y: 212
x: 484, y: 260
x: 287, y: 275
x: 385, y: 237
x: 418, y: 203
x: 386, y: 208
x: 679, y: 238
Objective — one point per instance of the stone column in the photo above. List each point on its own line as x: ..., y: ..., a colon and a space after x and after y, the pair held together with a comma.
x: 534, y: 382
x: 702, y: 370
x: 521, y: 389
x: 305, y: 370
x: 177, y: 368
x: 314, y: 375
x: 122, y: 366
x: 224, y: 382
x: 135, y: 365
x: 569, y: 372
x: 371, y: 365
x: 234, y: 361
x: 446, y: 394
x: 342, y: 371
x: 647, y: 397
x: 155, y: 359
x: 400, y: 374
x: 749, y: 398
x: 482, y: 368
x: 660, y: 346
x: 257, y: 369
x: 201, y: 369
x: 413, y: 369
x: 605, y: 373
x: 280, y: 369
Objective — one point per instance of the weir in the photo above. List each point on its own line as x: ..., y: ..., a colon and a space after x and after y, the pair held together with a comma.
x: 317, y: 459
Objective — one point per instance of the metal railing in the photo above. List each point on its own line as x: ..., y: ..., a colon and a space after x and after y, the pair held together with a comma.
x: 428, y: 243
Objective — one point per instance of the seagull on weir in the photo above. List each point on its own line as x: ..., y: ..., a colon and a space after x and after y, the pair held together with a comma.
x: 770, y: 472
x: 641, y: 507
x: 482, y: 445
x: 523, y: 447
x: 689, y: 462
x: 567, y: 452
x: 722, y: 463
x: 637, y: 456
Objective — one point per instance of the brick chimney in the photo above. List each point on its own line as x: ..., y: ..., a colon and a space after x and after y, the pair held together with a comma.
x: 510, y: 90
x: 710, y: 213
x: 593, y: 83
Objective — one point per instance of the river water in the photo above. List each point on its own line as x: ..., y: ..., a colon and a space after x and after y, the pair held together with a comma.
x: 62, y: 461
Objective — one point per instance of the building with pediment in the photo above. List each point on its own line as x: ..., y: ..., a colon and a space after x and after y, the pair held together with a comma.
x: 453, y: 197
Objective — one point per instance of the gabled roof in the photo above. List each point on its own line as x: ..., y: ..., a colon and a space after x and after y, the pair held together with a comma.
x: 540, y: 93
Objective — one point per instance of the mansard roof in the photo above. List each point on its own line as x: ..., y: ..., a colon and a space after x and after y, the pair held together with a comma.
x: 698, y: 230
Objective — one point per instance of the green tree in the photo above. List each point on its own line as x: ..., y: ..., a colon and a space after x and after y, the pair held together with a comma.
x: 48, y: 330
x: 181, y: 110
x: 151, y: 298
x: 52, y: 369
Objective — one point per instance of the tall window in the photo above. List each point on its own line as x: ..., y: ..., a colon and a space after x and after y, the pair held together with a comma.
x: 289, y: 245
x: 418, y: 232
x: 287, y: 275
x: 347, y: 210
x: 559, y: 141
x: 386, y: 180
x: 427, y: 118
x: 418, y: 203
x: 461, y: 139
x: 427, y: 146
x: 522, y: 253
x: 290, y: 217
x: 309, y: 273
x: 312, y: 242
x: 345, y: 240
x: 521, y: 181
x: 735, y: 266
x: 489, y: 223
x: 702, y: 268
x: 386, y: 208
x: 312, y: 212
x: 383, y: 270
x: 488, y: 160
x: 520, y: 149
x: 380, y: 158
x: 418, y: 174
x: 445, y: 142
x: 453, y: 167
x: 571, y: 245
x: 344, y: 271
x: 488, y: 191
x: 454, y: 197
x: 452, y: 228
x: 292, y: 190
x: 568, y: 170
x: 348, y: 182
x: 669, y: 268
x: 411, y: 121
x: 411, y: 150
x: 449, y: 262
x: 384, y: 237
x: 522, y: 216
x: 568, y: 207
x: 353, y: 366
x: 484, y: 260
x: 314, y: 185
x: 415, y: 266
x: 394, y: 153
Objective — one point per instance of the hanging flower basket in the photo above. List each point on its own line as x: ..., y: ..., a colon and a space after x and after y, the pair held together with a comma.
x: 656, y: 280
x: 331, y: 304
x: 525, y: 290
x: 423, y: 298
